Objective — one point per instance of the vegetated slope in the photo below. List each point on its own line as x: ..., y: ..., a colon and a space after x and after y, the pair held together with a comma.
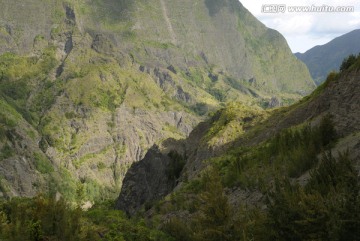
x: 281, y: 177
x: 323, y: 59
x: 88, y: 86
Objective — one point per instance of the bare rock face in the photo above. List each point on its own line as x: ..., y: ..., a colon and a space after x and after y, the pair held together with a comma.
x: 153, y: 178
x: 146, y: 181
x: 22, y: 166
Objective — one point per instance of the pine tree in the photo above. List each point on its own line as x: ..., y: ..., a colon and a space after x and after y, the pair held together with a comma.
x: 213, y: 221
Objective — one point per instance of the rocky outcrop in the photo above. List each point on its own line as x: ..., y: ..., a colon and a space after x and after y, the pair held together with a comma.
x: 156, y: 166
x: 146, y: 181
x: 23, y: 167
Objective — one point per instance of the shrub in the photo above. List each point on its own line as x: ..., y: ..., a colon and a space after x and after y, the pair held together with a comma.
x: 176, y: 165
x: 327, y: 208
x: 6, y: 152
x: 42, y: 164
x: 347, y: 62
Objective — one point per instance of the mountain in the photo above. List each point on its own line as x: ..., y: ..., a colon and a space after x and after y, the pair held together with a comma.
x: 87, y: 87
x: 323, y: 59
x: 275, y: 175
x: 203, y: 33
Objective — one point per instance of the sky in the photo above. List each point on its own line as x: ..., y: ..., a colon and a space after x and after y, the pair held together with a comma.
x: 304, y: 30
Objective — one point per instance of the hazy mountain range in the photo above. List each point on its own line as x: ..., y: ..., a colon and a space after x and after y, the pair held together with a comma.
x: 323, y: 59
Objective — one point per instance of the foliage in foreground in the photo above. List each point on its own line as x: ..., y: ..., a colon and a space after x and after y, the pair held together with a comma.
x: 43, y: 218
x: 326, y: 208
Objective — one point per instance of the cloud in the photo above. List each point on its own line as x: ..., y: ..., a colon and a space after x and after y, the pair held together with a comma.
x: 290, y: 24
x: 305, y: 30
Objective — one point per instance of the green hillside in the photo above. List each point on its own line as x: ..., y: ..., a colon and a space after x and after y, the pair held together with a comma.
x: 88, y: 86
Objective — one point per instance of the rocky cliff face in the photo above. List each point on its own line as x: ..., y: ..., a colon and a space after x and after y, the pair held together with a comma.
x: 92, y: 85
x: 148, y: 180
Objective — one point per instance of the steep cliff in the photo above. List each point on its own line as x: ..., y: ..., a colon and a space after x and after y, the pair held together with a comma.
x: 96, y: 83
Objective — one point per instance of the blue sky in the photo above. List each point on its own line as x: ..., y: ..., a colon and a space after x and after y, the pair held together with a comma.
x: 306, y: 30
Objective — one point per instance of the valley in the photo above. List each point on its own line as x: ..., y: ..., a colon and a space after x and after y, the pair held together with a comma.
x: 167, y: 120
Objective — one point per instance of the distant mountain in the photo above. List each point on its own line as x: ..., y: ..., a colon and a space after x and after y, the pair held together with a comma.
x: 324, y: 58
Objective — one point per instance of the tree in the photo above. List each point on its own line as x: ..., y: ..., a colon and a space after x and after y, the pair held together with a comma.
x: 327, y: 208
x: 347, y: 62
x: 214, y: 217
x: 327, y: 131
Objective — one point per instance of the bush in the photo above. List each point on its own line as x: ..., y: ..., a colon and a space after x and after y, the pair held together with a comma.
x: 348, y: 62
x: 327, y: 208
x: 39, y: 218
x: 42, y: 164
x: 176, y: 166
x: 6, y: 152
x: 200, y: 108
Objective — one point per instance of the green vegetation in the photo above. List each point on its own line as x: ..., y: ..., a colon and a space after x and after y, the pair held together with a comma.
x: 76, y: 105
x: 19, y: 75
x: 6, y: 152
x: 44, y: 218
x: 9, y: 117
x: 74, y: 73
x: 42, y: 163
x: 213, y: 218
x: 352, y: 61
x: 292, y: 151
x: 231, y: 122
x: 176, y: 166
x: 326, y: 207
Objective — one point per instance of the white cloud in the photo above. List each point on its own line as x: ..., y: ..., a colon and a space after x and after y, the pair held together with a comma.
x: 290, y: 24
x: 305, y: 30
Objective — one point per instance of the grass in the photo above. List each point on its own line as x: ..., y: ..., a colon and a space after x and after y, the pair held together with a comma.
x: 6, y: 152
x: 231, y: 122
x: 42, y: 164
x: 173, y: 131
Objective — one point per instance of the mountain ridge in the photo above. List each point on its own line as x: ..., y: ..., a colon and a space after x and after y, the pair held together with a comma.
x: 101, y: 82
x: 333, y: 52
